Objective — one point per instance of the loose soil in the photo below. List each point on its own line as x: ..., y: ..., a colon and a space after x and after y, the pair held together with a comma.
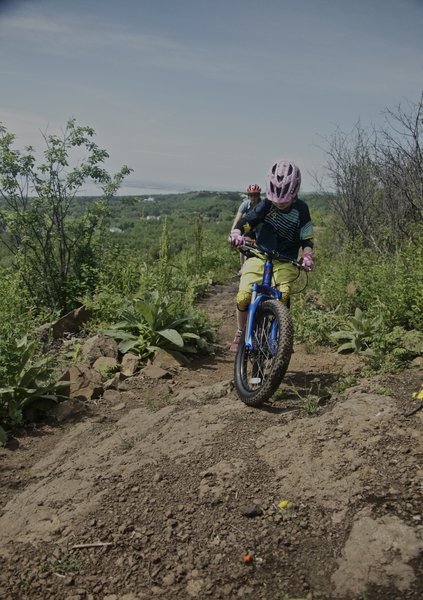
x: 175, y: 489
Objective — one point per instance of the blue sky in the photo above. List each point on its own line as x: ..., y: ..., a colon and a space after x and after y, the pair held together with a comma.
x: 206, y: 94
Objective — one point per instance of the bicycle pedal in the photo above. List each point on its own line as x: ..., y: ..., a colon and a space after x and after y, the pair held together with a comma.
x: 255, y: 380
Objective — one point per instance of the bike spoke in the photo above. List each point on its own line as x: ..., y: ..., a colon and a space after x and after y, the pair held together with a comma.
x: 260, y: 369
x: 260, y: 359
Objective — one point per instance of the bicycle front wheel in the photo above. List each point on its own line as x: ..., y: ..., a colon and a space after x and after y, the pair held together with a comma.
x: 260, y: 370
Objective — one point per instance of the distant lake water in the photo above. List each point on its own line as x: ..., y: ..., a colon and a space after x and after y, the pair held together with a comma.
x: 148, y: 190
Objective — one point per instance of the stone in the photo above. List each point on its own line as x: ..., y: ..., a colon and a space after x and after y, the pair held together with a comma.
x: 105, y: 365
x: 99, y: 345
x: 153, y: 372
x: 251, y: 511
x: 129, y: 364
x: 71, y: 322
x: 84, y: 383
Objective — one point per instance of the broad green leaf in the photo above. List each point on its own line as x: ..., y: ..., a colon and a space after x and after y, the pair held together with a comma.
x: 189, y: 334
x: 8, y: 390
x: 175, y: 324
x: 129, y: 344
x: 145, y: 311
x: 340, y: 335
x: 173, y: 336
x: 34, y: 372
x: 349, y: 347
x: 118, y: 334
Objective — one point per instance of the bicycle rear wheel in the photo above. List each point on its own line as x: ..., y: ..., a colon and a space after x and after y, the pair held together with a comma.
x: 259, y: 371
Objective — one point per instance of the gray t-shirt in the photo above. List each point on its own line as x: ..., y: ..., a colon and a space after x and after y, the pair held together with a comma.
x: 245, y: 206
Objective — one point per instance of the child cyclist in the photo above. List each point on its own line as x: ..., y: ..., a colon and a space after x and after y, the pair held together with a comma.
x: 284, y: 226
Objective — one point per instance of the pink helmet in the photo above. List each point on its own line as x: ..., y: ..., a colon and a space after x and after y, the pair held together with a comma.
x: 253, y: 189
x: 283, y: 182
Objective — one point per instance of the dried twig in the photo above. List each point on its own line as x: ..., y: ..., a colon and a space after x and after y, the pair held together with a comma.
x: 416, y: 409
x: 236, y: 529
x: 92, y: 545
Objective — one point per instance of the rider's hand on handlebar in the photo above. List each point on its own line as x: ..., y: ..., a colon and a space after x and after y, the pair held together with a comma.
x: 236, y: 238
x: 307, y: 261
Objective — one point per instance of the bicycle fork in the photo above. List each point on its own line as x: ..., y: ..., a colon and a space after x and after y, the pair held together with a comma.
x: 261, y: 292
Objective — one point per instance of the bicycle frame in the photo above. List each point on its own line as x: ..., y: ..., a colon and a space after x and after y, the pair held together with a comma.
x: 259, y: 293
x: 264, y: 353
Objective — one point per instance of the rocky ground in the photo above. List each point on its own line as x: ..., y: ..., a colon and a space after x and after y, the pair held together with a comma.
x: 175, y: 489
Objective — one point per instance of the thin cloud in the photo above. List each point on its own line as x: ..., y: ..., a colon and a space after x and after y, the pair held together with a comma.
x: 33, y: 25
x: 68, y: 36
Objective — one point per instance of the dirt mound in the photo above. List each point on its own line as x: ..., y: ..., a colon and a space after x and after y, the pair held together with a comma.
x: 178, y: 490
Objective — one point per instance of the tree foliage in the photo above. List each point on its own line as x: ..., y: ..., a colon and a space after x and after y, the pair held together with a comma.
x: 56, y: 252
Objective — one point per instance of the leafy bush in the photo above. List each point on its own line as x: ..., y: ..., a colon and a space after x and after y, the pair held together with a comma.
x: 27, y: 386
x: 395, y: 349
x: 160, y: 322
x: 58, y: 252
x: 359, y: 333
x: 17, y: 317
x: 314, y: 324
x: 353, y: 277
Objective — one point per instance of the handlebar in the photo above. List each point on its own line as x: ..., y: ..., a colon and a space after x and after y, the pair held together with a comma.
x: 270, y: 254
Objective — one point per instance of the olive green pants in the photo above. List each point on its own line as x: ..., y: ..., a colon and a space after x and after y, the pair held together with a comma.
x: 284, y: 274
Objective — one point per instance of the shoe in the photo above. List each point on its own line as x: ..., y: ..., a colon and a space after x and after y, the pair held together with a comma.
x: 235, y: 343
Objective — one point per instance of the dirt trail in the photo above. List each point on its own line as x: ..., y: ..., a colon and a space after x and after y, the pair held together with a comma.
x: 180, y: 481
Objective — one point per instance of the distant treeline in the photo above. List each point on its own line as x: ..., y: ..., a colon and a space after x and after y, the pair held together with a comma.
x: 136, y: 221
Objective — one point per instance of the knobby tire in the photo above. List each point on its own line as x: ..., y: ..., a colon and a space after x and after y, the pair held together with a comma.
x: 259, y: 372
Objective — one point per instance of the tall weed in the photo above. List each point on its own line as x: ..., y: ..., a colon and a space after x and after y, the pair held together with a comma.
x: 156, y: 321
x: 17, y: 317
x: 27, y: 386
x: 354, y: 277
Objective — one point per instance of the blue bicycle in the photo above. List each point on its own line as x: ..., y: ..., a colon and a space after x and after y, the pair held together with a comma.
x: 263, y: 355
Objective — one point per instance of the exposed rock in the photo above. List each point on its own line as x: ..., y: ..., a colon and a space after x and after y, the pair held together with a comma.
x: 205, y: 393
x: 112, y: 396
x: 105, y: 364
x: 69, y: 409
x: 113, y: 383
x: 129, y: 364
x: 165, y: 360
x: 163, y: 479
x: 251, y: 511
x: 417, y: 363
x: 72, y: 322
x: 153, y: 372
x: 99, y: 345
x: 377, y: 551
x: 84, y: 383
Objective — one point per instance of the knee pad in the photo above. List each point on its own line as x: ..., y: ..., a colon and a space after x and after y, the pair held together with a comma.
x: 243, y: 299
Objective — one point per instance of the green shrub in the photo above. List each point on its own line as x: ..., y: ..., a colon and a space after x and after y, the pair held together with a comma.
x: 395, y: 349
x: 28, y: 385
x: 156, y: 321
x: 314, y: 324
x: 17, y: 317
x: 57, y: 250
x: 359, y: 333
x: 354, y: 277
